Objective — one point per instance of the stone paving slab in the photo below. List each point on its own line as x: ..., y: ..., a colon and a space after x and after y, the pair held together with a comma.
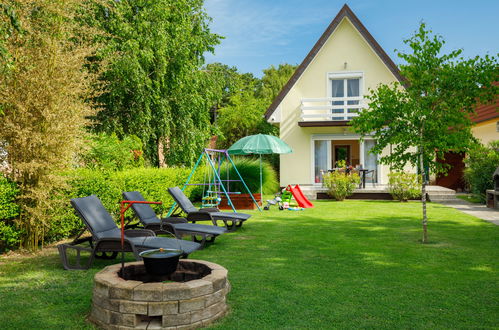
x: 477, y: 210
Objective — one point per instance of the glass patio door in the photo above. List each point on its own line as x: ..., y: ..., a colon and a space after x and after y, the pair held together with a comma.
x: 370, y: 160
x: 320, y: 159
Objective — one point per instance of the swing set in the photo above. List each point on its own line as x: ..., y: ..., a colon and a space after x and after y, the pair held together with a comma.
x: 213, y: 185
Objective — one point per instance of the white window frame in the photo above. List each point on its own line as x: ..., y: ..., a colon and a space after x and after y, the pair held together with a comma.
x: 344, y: 75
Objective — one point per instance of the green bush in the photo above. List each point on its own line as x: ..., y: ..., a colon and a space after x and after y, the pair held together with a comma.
x: 481, y: 162
x: 403, y: 186
x: 340, y: 185
x: 108, y: 186
x: 109, y: 153
x: 249, y: 168
x: 9, y: 211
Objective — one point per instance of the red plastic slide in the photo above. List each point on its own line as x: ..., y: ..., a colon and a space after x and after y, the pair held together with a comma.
x: 299, y: 197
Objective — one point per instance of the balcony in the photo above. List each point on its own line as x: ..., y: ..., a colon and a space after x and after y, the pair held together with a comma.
x: 329, y: 111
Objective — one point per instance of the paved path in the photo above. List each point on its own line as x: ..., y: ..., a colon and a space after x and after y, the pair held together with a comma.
x: 477, y: 210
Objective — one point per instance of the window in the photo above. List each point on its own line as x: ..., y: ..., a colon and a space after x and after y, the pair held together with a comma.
x: 346, y: 95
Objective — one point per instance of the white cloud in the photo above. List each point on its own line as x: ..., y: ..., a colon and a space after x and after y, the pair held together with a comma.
x: 258, y: 29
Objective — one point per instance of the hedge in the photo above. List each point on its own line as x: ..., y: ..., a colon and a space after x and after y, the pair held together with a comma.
x: 108, y: 186
x: 9, y: 211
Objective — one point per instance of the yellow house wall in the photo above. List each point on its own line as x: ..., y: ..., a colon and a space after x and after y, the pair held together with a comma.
x: 344, y: 45
x: 486, y: 131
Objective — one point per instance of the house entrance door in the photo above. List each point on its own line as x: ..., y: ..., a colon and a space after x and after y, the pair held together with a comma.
x: 342, y: 152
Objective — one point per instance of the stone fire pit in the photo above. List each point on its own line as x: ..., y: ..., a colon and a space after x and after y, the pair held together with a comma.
x: 192, y: 297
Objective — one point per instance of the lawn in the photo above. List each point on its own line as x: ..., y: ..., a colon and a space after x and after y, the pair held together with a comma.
x: 352, y: 264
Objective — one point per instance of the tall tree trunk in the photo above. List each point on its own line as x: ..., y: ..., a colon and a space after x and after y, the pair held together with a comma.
x: 161, y: 153
x: 423, y: 198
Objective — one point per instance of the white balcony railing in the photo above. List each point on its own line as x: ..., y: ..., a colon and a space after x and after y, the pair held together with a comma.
x: 331, y: 108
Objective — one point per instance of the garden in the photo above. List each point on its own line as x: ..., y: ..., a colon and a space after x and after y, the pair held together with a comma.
x: 93, y: 101
x: 339, y: 265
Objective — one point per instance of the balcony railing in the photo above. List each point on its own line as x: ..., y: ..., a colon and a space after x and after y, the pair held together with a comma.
x: 331, y: 108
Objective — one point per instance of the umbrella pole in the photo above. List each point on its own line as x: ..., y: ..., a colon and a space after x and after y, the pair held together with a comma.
x: 261, y: 184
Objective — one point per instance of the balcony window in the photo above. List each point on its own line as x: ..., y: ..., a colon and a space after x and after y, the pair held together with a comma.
x: 346, y: 98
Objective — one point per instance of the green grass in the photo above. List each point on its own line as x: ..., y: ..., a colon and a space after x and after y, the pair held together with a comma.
x: 351, y: 264
x: 470, y: 198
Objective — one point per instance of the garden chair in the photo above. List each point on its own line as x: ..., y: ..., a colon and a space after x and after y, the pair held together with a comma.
x: 230, y: 220
x: 371, y: 175
x: 179, y: 226
x: 106, y: 236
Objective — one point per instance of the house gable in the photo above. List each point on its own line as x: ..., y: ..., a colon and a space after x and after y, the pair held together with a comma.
x: 344, y: 14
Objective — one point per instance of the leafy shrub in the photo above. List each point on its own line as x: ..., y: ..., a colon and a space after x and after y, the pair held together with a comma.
x: 340, y: 185
x: 108, y: 153
x: 9, y: 233
x: 108, y: 186
x: 249, y: 168
x: 403, y: 186
x: 481, y: 162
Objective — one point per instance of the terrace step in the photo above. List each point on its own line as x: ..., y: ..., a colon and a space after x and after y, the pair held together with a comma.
x: 442, y: 195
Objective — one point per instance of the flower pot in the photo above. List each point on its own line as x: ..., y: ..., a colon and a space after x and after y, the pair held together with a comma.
x: 240, y: 202
x: 161, y: 261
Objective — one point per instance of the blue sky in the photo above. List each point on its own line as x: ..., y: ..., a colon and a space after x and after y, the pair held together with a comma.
x: 259, y: 33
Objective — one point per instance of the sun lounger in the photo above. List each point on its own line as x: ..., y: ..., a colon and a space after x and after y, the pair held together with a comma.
x: 230, y: 220
x: 178, y: 226
x: 106, y: 236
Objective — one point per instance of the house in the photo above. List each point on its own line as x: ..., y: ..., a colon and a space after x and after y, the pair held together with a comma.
x: 328, y: 89
x: 485, y: 129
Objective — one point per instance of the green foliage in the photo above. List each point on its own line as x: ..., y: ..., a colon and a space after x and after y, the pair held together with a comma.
x: 249, y: 168
x: 9, y: 25
x: 241, y: 118
x: 156, y: 89
x: 481, y: 162
x: 10, y: 234
x: 403, y: 186
x: 108, y: 186
x: 43, y: 103
x: 107, y: 152
x: 341, y: 163
x: 341, y: 185
x: 242, y: 114
x: 8, y: 193
x: 273, y: 80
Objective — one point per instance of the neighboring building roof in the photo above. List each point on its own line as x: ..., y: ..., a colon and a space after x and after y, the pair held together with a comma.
x: 486, y: 112
x: 344, y: 12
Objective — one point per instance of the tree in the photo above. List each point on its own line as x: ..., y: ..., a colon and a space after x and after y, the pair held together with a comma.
x: 43, y: 100
x: 273, y: 80
x: 156, y: 89
x: 243, y: 113
x: 430, y: 114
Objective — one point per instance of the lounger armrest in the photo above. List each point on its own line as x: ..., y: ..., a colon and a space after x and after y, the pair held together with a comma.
x: 139, y: 233
x: 210, y: 209
x: 113, y: 244
x: 200, y: 216
x: 173, y: 220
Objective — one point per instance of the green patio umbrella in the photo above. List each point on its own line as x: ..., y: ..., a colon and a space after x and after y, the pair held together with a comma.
x: 259, y: 144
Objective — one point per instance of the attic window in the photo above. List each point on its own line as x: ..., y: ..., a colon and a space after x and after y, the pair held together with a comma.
x: 346, y: 94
